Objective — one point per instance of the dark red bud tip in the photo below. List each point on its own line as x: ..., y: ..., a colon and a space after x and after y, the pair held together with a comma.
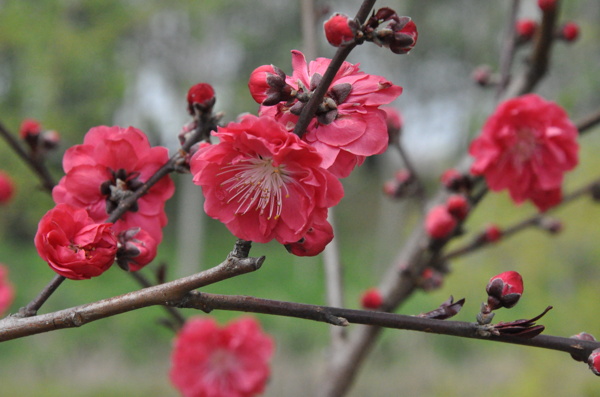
x: 504, y: 290
x: 201, y: 96
x: 458, y: 206
x: 371, y: 299
x: 492, y: 234
x: 594, y: 362
x: 340, y: 30
x: 547, y: 5
x: 29, y: 127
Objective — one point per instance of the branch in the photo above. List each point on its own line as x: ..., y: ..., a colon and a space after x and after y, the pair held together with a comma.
x: 340, y: 56
x: 170, y: 294
x: 508, y: 49
x: 342, y: 317
x: 35, y: 164
x: 540, y: 56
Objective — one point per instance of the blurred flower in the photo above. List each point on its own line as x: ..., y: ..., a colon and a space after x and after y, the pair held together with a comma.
x: 137, y: 248
x: 263, y: 182
x: 526, y: 146
x: 349, y: 124
x: 504, y: 290
x: 75, y: 245
x: 340, y: 30
x: 7, y: 292
x: 7, y: 188
x: 371, y: 299
x: 439, y: 223
x: 232, y: 361
x: 108, y: 167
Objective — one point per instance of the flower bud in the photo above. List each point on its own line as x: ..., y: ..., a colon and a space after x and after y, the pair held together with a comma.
x: 30, y: 127
x: 569, y: 32
x: 525, y: 29
x: 7, y: 188
x: 200, y: 96
x: 136, y: 249
x: 594, y: 362
x: 547, y: 5
x: 504, y: 290
x: 431, y: 279
x: 267, y: 85
x: 49, y: 139
x: 7, y: 292
x: 439, y: 223
x: 340, y: 30
x: 314, y: 242
x: 492, y: 233
x: 371, y: 299
x: 582, y: 336
x: 482, y: 75
x: 458, y: 206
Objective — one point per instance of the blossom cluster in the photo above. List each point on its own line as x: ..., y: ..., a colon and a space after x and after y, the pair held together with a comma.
x: 266, y: 183
x: 112, y: 163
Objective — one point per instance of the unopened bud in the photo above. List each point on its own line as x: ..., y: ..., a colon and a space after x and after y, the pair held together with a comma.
x: 340, y: 30
x: 200, y: 97
x: 525, y: 29
x: 458, y: 206
x: 547, y: 5
x: 569, y: 32
x: 7, y: 188
x: 371, y: 299
x: 439, y: 223
x: 594, y: 362
x: 504, y: 290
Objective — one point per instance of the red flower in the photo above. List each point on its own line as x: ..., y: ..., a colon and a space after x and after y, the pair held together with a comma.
x: 73, y: 244
x: 439, y: 223
x: 349, y: 125
x: 7, y: 292
x: 339, y: 30
x: 371, y: 299
x: 314, y: 241
x: 570, y: 31
x: 263, y: 182
x: 111, y: 163
x: 201, y: 95
x: 232, y: 361
x: 504, y: 290
x: 526, y: 146
x: 7, y: 188
x: 137, y: 248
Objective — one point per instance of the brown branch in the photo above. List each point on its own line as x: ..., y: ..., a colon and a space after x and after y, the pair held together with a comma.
x: 341, y: 54
x: 508, y: 49
x: 35, y: 164
x: 532, y: 220
x: 540, y: 56
x: 171, y: 294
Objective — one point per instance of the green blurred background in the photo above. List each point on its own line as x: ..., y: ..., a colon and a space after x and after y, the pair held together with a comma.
x: 75, y: 64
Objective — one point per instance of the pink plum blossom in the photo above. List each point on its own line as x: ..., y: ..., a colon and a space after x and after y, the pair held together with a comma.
x: 263, y: 182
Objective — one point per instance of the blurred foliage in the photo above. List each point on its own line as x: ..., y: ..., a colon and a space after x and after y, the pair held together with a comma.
x: 75, y: 64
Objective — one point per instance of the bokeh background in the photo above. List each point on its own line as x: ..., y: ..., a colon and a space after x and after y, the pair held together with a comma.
x: 75, y: 64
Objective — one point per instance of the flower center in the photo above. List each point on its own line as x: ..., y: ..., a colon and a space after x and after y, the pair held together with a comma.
x: 121, y: 185
x: 258, y: 183
x: 525, y: 146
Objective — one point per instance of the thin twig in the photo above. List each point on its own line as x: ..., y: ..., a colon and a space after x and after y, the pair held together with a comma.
x: 338, y: 59
x: 508, y: 48
x: 35, y: 164
x: 33, y: 306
